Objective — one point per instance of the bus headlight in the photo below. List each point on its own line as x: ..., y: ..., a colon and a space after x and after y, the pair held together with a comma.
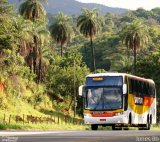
x: 87, y: 114
x: 118, y: 113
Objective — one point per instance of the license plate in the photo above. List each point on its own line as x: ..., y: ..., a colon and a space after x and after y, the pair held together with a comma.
x: 101, y: 120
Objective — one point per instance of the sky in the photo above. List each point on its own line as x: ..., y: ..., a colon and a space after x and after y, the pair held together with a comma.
x: 128, y: 4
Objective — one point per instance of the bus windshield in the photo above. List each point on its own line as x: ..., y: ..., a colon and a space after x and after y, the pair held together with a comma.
x: 103, y: 98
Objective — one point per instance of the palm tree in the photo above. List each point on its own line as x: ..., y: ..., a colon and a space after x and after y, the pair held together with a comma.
x: 32, y: 9
x: 45, y: 59
x: 61, y: 30
x: 40, y: 35
x: 22, y: 36
x: 89, y: 24
x: 135, y: 36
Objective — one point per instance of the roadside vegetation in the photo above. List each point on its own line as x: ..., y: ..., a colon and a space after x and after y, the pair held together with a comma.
x: 42, y: 65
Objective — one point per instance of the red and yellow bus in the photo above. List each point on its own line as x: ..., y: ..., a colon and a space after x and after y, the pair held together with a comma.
x: 119, y: 100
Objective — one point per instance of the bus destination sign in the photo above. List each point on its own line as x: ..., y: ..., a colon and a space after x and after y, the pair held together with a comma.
x: 97, y: 78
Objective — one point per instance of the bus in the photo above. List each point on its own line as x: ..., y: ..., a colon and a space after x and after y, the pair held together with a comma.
x: 119, y: 100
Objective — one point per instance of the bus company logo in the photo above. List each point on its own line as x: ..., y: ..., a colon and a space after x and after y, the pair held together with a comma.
x: 138, y: 100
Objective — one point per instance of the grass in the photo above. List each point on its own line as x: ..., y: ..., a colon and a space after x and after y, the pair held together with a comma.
x: 42, y: 127
x: 22, y: 108
x: 25, y: 109
x: 58, y: 125
x: 155, y: 127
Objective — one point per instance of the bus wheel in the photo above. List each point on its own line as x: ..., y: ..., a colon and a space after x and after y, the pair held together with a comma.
x: 116, y: 128
x: 126, y: 128
x: 148, y: 125
x: 113, y: 127
x: 130, y: 119
x: 141, y: 128
x: 94, y: 126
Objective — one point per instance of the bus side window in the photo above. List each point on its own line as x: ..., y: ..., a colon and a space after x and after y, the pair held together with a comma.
x: 140, y: 88
x: 151, y: 90
x: 135, y: 87
x: 146, y: 89
x: 143, y: 88
x: 130, y: 86
x: 154, y: 95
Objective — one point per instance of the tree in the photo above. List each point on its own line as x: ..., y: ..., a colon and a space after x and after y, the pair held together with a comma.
x: 109, y: 23
x: 46, y: 58
x: 5, y: 8
x: 61, y: 30
x: 22, y: 35
x: 65, y: 75
x: 40, y: 35
x: 6, y: 28
x: 142, y: 13
x: 135, y: 36
x: 89, y: 24
x: 32, y: 9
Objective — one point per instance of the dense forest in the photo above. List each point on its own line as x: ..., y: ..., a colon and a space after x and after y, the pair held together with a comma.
x: 44, y: 59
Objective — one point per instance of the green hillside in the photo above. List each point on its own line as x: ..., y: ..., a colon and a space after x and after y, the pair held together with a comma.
x: 73, y: 7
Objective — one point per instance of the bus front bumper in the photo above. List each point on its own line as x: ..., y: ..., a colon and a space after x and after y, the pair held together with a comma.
x: 122, y: 119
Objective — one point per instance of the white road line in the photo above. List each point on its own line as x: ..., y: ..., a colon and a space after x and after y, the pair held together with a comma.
x: 7, y: 133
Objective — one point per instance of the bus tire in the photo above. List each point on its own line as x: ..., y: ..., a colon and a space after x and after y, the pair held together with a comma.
x: 116, y: 128
x: 125, y: 128
x: 141, y: 128
x: 94, y: 126
x: 148, y: 124
x: 150, y: 119
x: 130, y: 119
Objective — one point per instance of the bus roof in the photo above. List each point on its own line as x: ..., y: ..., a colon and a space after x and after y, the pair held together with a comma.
x: 120, y: 74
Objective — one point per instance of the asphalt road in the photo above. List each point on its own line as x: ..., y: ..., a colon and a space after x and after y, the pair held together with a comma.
x: 80, y: 136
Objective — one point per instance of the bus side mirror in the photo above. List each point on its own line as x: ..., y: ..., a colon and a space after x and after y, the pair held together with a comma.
x: 124, y: 88
x: 81, y: 89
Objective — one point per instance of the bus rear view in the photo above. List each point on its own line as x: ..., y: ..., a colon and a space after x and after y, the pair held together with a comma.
x: 106, y: 101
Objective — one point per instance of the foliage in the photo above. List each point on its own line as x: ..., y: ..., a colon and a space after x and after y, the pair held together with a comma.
x: 3, y: 101
x: 89, y: 23
x: 64, y: 72
x: 61, y: 30
x: 32, y: 10
x: 135, y: 36
x: 12, y: 64
x: 149, y: 67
